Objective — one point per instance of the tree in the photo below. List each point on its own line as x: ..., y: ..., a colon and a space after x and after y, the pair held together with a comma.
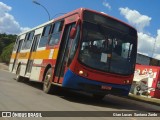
x: 6, y: 46
x: 6, y: 54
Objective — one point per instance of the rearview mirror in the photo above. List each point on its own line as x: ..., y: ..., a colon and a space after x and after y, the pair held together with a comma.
x: 74, y: 30
x: 73, y: 33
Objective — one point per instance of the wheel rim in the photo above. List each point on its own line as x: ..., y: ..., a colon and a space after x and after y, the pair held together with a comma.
x: 47, y: 80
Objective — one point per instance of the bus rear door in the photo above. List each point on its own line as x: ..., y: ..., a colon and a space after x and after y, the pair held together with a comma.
x: 32, y: 55
x: 18, y: 45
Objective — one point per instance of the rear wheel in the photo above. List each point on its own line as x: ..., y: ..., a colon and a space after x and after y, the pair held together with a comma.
x: 47, y: 83
x: 18, y: 77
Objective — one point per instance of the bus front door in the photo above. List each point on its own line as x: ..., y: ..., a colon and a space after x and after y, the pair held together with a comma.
x: 63, y: 56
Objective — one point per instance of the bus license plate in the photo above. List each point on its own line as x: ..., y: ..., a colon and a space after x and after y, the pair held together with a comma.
x: 103, y: 87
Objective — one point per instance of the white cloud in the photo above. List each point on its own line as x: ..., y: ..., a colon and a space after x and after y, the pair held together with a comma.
x: 157, y: 46
x: 107, y: 5
x: 8, y: 24
x: 147, y: 44
x: 135, y: 18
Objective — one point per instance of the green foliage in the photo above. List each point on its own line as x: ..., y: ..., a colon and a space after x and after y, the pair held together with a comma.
x: 6, y: 46
x: 6, y: 54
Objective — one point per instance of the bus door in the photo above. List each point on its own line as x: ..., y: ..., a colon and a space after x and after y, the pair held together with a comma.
x: 19, y: 45
x: 32, y: 54
x: 64, y: 53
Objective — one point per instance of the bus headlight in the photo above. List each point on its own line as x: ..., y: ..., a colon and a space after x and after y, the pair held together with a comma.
x: 81, y: 72
x: 126, y: 81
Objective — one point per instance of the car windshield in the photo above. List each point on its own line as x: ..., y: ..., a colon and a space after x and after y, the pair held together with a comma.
x: 107, y: 50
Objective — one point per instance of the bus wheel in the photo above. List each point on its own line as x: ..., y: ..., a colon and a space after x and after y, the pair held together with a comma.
x: 47, y: 85
x: 18, y: 77
x: 138, y: 88
x: 98, y: 96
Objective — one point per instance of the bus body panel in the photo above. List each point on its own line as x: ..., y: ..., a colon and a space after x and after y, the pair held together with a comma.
x: 47, y: 56
x: 36, y: 70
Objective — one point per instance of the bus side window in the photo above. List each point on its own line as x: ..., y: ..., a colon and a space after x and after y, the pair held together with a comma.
x: 45, y: 36
x: 56, y: 33
x: 16, y: 44
x: 28, y: 40
x: 25, y: 41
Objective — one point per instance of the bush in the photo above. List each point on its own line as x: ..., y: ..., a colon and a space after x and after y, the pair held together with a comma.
x: 6, y: 53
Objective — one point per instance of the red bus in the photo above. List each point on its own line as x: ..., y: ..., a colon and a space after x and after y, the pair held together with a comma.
x: 84, y: 50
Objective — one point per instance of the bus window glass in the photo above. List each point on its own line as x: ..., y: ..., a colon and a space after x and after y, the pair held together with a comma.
x: 74, y: 46
x: 107, y: 50
x: 25, y: 41
x: 46, y: 30
x: 16, y: 44
x: 58, y: 26
x: 28, y: 40
x: 54, y: 39
x: 45, y: 36
x: 56, y: 32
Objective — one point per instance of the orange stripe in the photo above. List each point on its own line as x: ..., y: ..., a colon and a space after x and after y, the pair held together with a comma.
x: 55, y: 54
x: 13, y: 56
x: 43, y: 54
x: 23, y: 55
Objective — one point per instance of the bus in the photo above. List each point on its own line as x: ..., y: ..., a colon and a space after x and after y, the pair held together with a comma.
x: 82, y: 50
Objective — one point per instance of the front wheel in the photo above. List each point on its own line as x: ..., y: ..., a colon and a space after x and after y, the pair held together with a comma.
x: 47, y: 83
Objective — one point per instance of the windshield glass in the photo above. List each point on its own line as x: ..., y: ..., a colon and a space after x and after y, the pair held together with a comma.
x: 107, y: 50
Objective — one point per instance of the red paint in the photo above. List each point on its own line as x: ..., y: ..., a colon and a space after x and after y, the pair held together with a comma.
x: 61, y: 80
x: 55, y: 79
x: 102, y: 76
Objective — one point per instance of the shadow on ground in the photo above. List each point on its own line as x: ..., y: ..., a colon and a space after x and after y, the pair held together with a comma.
x: 109, y: 101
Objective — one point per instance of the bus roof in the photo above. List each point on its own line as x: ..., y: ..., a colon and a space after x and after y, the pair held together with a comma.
x: 73, y: 12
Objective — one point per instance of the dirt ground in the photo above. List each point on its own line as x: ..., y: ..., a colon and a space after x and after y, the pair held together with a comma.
x: 3, y: 66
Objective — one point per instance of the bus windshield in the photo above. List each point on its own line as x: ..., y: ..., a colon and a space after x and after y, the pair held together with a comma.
x: 107, y: 49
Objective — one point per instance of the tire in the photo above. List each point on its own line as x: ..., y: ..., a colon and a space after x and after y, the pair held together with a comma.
x: 18, y: 77
x: 47, y: 84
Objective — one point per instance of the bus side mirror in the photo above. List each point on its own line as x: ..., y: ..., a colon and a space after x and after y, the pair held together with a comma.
x: 74, y: 30
x: 73, y: 33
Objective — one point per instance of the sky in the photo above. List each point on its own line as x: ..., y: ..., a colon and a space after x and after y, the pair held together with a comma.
x: 19, y: 15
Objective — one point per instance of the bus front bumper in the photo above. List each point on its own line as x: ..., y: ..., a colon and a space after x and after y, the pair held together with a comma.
x: 73, y: 81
